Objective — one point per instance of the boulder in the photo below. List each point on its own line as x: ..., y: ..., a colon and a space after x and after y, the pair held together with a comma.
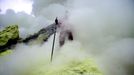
x: 8, y: 36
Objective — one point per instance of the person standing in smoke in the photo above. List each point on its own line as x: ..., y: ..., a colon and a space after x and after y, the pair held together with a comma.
x: 65, y: 31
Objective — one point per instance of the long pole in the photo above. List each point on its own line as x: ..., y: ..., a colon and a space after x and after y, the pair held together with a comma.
x: 53, y: 43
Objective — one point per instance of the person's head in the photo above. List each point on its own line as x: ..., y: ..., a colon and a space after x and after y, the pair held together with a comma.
x: 56, y: 21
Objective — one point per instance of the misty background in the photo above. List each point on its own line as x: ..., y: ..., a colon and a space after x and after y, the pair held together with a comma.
x: 103, y: 29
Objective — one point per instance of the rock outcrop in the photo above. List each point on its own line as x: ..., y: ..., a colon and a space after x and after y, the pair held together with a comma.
x: 8, y: 37
x: 43, y: 34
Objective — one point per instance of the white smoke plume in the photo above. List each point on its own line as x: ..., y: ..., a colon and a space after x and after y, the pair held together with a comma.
x: 104, y: 29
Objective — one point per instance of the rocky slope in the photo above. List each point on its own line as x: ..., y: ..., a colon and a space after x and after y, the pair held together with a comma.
x: 43, y: 34
x: 9, y: 37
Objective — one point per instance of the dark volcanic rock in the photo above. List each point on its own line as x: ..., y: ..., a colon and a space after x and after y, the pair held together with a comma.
x: 46, y: 32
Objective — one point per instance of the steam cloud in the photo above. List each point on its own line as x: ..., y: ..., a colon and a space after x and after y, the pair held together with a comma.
x: 104, y: 29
